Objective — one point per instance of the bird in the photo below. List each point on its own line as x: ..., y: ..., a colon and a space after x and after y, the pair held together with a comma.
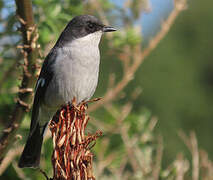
x: 70, y: 70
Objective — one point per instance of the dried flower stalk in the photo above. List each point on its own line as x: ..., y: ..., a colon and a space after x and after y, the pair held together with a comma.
x: 71, y: 158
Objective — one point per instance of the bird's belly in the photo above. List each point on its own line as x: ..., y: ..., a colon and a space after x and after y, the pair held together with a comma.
x: 80, y: 84
x: 76, y: 75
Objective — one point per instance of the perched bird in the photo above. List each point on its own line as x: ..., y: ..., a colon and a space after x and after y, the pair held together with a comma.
x: 70, y: 70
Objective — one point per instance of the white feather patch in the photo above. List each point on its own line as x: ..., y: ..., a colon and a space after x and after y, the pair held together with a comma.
x: 40, y: 82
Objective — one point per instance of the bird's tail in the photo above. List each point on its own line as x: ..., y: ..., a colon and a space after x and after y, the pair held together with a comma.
x: 31, y: 155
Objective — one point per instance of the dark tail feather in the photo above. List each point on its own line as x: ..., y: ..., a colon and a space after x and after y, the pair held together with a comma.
x: 31, y: 155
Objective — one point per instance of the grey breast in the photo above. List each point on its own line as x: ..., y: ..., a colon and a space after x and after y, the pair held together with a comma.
x: 75, y: 71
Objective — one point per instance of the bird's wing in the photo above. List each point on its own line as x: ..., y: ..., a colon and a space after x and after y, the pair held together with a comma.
x: 43, y: 81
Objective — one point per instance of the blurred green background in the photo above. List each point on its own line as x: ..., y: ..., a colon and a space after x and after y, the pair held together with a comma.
x: 176, y: 78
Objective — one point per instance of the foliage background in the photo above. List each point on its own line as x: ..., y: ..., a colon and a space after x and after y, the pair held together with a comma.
x: 176, y: 83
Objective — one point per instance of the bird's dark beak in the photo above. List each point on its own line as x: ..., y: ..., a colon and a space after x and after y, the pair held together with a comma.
x: 108, y: 29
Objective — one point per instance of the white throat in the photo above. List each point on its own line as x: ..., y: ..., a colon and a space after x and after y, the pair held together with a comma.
x: 92, y: 39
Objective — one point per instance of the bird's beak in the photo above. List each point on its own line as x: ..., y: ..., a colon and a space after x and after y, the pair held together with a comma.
x: 108, y: 29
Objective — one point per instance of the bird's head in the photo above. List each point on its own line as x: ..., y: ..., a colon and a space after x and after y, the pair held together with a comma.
x: 85, y: 27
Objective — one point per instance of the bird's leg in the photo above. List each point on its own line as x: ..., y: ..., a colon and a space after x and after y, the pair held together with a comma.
x: 74, y: 104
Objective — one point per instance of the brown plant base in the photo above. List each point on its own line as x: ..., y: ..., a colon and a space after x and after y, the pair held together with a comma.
x: 71, y: 158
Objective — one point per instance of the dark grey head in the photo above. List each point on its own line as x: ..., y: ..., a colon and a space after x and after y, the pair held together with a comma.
x: 81, y: 26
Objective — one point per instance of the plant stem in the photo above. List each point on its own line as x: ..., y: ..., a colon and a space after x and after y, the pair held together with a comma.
x: 30, y: 54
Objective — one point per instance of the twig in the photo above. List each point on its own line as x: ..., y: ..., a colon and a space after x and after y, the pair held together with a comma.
x: 104, y: 162
x: 191, y: 143
x: 181, y: 166
x: 19, y: 171
x: 159, y: 154
x: 206, y: 166
x: 44, y: 173
x: 9, y: 158
x: 195, y: 156
x: 140, y: 55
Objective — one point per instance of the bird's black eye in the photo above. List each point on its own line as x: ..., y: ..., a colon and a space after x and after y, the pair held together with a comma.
x: 91, y: 26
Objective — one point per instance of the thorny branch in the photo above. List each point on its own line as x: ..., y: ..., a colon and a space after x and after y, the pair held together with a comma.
x: 71, y: 158
x: 139, y: 56
x: 30, y: 54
